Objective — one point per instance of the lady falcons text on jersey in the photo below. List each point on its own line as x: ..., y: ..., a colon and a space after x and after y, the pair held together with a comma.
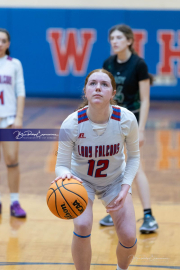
x: 6, y: 79
x: 99, y: 150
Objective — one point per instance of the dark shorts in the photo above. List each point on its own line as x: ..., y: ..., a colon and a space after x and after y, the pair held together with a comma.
x: 136, y: 113
x: 137, y: 116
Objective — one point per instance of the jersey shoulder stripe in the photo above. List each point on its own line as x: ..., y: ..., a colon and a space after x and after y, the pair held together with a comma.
x: 9, y: 58
x: 82, y: 116
x: 116, y: 114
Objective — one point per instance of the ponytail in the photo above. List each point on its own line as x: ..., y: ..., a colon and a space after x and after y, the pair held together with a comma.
x: 7, y: 52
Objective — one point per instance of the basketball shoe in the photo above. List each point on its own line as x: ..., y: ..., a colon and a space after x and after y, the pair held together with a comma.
x: 16, y: 210
x: 149, y: 225
x: 106, y: 221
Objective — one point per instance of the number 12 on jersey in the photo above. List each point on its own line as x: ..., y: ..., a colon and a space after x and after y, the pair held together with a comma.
x: 92, y: 165
x: 2, y: 97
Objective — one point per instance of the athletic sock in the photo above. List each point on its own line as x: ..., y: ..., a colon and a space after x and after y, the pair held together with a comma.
x: 118, y: 268
x: 14, y: 197
x: 148, y: 211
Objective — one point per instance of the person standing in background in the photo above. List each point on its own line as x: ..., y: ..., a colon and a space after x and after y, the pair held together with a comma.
x: 12, y: 99
x: 132, y: 92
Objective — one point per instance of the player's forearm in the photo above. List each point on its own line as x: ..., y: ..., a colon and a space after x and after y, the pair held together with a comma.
x: 144, y: 110
x: 20, y: 107
x: 131, y: 169
x: 125, y: 188
x: 63, y: 163
x: 60, y: 170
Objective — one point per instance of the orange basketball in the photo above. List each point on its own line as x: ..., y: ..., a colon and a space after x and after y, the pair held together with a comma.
x: 67, y: 199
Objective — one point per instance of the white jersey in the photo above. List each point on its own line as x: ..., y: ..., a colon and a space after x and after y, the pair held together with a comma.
x: 11, y: 85
x: 99, y: 159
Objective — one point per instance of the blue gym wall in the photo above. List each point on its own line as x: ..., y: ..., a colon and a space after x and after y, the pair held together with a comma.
x: 29, y: 30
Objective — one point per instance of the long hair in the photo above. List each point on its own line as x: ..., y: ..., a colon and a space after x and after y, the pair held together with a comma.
x: 8, y: 36
x: 113, y: 83
x: 127, y: 31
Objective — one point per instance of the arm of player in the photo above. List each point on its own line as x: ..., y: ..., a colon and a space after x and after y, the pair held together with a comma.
x: 133, y: 153
x: 119, y: 202
x: 132, y: 164
x: 65, y: 148
x: 144, y: 87
x: 20, y: 94
x: 19, y: 113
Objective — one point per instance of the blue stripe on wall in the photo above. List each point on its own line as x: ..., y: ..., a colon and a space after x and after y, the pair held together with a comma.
x: 29, y: 44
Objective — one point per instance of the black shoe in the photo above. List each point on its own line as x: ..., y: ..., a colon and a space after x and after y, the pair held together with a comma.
x: 149, y: 225
x: 106, y: 221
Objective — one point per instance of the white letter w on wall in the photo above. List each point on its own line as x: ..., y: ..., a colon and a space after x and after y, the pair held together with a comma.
x: 71, y: 49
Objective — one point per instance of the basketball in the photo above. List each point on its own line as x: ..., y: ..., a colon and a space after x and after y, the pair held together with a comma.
x: 67, y: 199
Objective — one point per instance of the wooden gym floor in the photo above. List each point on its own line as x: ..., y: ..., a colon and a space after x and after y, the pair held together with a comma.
x: 42, y: 241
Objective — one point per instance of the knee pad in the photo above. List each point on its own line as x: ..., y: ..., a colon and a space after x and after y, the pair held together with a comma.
x: 13, y: 165
x: 81, y: 236
x: 128, y: 247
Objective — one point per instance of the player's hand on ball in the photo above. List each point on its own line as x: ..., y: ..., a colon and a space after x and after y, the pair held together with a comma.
x: 67, y: 176
x: 67, y: 198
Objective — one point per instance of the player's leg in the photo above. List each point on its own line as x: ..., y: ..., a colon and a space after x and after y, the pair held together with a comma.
x: 149, y: 224
x: 143, y: 187
x: 125, y: 225
x: 81, y: 243
x: 10, y: 152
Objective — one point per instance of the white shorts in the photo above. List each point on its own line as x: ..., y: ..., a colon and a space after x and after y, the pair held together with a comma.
x: 7, y: 121
x: 107, y: 193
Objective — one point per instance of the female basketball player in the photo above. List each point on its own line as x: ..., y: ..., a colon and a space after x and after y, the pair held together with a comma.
x: 133, y: 85
x: 12, y: 95
x: 91, y: 150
